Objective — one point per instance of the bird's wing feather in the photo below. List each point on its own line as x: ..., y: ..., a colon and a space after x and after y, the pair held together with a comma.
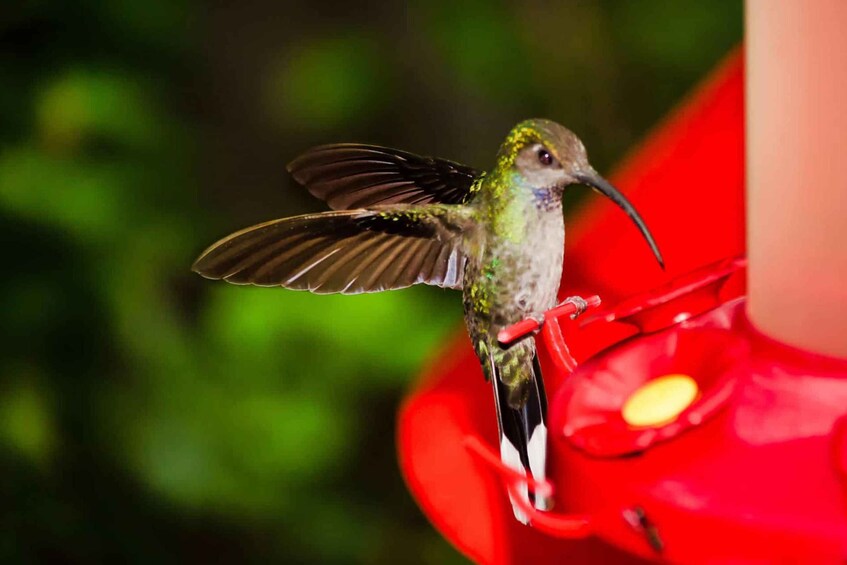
x: 346, y: 252
x: 349, y: 176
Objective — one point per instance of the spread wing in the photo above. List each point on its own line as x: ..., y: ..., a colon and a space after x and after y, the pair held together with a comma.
x: 346, y: 252
x: 349, y: 176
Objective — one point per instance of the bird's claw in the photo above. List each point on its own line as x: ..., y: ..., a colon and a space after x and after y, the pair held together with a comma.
x: 534, y: 322
x: 580, y: 303
x: 539, y: 319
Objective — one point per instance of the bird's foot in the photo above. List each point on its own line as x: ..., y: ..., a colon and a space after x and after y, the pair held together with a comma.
x: 573, y: 306
x: 539, y: 319
x: 579, y: 302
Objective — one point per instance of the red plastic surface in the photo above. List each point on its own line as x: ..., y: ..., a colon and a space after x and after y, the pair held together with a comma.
x: 588, y: 410
x: 574, y: 526
x: 683, y: 298
x: 760, y: 480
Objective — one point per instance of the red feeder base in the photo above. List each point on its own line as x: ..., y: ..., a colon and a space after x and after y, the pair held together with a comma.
x: 752, y: 470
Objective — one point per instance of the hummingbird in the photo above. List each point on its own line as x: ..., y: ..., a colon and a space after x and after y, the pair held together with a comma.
x: 400, y: 219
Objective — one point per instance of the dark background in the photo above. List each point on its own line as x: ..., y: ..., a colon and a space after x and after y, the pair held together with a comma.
x: 149, y: 415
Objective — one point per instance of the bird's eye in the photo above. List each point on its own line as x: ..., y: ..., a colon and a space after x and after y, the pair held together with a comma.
x: 544, y: 157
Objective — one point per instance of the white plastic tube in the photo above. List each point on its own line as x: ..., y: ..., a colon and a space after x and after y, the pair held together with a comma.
x: 796, y: 105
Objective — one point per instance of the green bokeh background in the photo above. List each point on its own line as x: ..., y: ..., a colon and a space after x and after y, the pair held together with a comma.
x: 148, y: 415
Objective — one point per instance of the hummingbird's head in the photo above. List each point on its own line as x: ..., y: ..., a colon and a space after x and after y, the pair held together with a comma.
x: 549, y: 157
x: 545, y: 154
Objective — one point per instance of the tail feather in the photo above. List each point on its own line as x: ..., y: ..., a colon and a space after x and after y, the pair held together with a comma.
x: 523, y: 436
x: 535, y: 422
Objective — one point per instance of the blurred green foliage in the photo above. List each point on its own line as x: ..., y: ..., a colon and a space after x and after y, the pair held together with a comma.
x: 147, y: 414
x: 325, y: 83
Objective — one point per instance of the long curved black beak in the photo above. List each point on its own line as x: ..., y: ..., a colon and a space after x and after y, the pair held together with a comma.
x: 602, y: 186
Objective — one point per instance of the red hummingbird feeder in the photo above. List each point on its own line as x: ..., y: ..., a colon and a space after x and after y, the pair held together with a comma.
x: 697, y: 415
